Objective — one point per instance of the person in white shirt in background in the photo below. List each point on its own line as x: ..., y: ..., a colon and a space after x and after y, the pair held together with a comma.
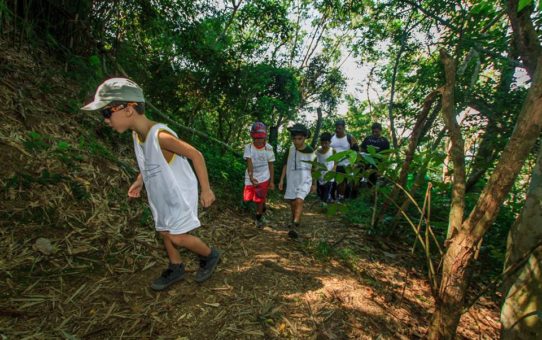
x: 342, y: 141
x: 324, y: 188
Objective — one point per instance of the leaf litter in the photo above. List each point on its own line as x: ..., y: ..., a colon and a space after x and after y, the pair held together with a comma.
x: 78, y: 257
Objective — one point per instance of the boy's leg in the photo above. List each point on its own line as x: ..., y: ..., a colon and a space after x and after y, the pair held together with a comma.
x: 327, y: 191
x: 341, y: 188
x: 298, y: 203
x: 259, y: 213
x: 208, y: 257
x: 319, y: 190
x: 172, y: 253
x: 175, y: 270
x: 192, y: 243
x: 297, y: 208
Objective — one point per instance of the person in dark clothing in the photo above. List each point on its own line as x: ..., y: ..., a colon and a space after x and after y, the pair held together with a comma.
x: 377, y: 141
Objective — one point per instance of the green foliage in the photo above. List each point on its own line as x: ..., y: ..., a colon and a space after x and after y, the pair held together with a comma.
x: 146, y: 217
x: 323, y: 249
x: 218, y: 68
x: 36, y: 142
x: 523, y: 3
x: 25, y: 180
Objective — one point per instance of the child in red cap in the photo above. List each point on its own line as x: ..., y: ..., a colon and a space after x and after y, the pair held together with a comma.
x: 259, y: 176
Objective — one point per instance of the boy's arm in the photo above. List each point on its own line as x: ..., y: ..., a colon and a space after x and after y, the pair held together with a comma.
x: 250, y: 170
x: 135, y: 189
x: 271, y: 175
x: 281, y: 182
x: 355, y: 145
x: 175, y: 145
x: 364, y: 145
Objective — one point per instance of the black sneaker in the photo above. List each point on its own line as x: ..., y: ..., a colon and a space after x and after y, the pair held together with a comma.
x: 171, y: 275
x: 292, y: 233
x: 207, y: 266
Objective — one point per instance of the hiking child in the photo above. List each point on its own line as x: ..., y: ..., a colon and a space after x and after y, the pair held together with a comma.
x: 297, y: 171
x: 324, y: 188
x: 259, y: 176
x: 380, y: 143
x: 342, y: 141
x: 172, y: 187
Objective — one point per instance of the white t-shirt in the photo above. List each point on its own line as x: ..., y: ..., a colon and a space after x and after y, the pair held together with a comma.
x: 341, y: 144
x: 322, y: 159
x: 260, y: 162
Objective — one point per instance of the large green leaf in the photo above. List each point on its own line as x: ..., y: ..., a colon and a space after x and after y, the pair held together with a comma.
x: 523, y: 3
x: 369, y: 158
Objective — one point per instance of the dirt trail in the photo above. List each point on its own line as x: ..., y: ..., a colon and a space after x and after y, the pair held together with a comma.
x: 61, y: 182
x: 267, y: 286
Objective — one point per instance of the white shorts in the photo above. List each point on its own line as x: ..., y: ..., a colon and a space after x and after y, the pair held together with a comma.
x: 300, y: 191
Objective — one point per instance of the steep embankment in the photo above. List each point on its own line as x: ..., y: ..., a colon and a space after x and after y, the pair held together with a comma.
x: 62, y: 180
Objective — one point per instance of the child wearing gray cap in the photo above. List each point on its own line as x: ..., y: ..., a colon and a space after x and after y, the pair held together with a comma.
x: 170, y: 182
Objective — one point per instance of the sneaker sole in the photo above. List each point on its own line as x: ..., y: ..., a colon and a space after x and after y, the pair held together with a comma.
x: 167, y: 286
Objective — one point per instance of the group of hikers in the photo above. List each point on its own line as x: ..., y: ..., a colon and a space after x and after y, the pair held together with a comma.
x: 297, y: 168
x: 171, y: 182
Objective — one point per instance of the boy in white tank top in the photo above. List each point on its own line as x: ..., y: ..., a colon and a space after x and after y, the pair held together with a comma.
x: 172, y: 187
x: 297, y: 172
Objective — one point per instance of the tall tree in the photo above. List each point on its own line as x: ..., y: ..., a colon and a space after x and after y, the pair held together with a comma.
x: 463, y: 244
x: 521, y: 313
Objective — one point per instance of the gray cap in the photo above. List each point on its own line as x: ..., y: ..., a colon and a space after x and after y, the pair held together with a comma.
x: 115, y: 89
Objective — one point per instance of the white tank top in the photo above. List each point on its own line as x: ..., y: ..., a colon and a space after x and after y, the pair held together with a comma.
x: 341, y: 144
x: 172, y: 188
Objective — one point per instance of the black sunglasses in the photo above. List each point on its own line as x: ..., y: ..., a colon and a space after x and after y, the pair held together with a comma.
x: 107, y: 112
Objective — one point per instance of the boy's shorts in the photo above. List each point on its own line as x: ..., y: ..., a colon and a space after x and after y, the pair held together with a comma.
x: 257, y: 193
x: 298, y: 191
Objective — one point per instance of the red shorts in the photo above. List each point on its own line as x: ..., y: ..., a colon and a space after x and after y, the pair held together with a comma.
x: 256, y: 193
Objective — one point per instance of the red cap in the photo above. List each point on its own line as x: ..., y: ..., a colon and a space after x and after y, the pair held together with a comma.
x: 258, y: 130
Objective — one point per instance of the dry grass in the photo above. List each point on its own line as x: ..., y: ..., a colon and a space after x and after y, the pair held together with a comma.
x: 94, y: 280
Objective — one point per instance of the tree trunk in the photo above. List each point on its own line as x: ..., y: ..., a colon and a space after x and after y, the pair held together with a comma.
x: 274, y: 132
x: 414, y: 139
x: 317, y: 129
x: 522, y: 290
x: 491, y: 145
x: 392, y: 92
x: 460, y: 253
x: 525, y: 36
x: 457, y: 148
x: 417, y: 130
